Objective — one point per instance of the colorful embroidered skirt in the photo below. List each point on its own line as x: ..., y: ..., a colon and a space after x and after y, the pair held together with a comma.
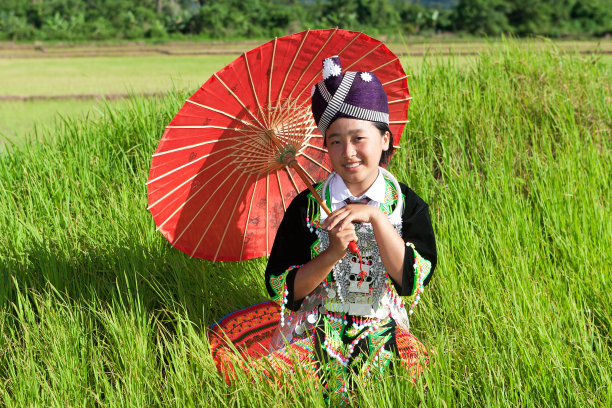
x: 246, y: 335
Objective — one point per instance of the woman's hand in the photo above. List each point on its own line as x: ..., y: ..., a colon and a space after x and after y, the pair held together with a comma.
x: 347, y: 215
x: 340, y: 239
x: 311, y: 274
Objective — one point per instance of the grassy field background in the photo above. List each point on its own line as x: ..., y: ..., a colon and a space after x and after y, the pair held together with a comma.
x: 39, y: 83
x: 38, y: 91
x: 512, y: 151
x: 105, y: 75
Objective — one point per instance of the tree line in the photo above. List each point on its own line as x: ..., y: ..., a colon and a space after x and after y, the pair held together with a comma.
x: 28, y: 20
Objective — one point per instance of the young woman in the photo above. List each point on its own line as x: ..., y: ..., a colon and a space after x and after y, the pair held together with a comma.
x: 347, y: 312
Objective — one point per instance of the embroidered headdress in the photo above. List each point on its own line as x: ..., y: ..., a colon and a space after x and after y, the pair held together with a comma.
x: 358, y: 95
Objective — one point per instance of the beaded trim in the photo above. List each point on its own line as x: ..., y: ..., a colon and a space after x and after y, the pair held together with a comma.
x: 393, y: 296
x: 313, y: 224
x: 422, y: 267
x: 279, y: 285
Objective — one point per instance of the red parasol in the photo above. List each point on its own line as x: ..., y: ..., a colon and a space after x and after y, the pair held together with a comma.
x: 245, y: 143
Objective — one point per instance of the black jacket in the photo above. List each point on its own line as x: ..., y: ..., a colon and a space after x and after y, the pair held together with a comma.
x: 294, y: 239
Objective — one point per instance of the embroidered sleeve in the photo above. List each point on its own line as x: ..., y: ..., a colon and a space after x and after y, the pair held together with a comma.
x: 420, y: 255
x: 291, y: 248
x: 281, y: 293
x: 421, y: 268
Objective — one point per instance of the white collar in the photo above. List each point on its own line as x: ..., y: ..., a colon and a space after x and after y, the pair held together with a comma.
x: 340, y: 192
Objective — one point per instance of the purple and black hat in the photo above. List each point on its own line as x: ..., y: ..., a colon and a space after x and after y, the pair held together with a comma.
x: 357, y: 95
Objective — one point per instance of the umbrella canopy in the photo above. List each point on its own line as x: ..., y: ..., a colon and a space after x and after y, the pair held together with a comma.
x: 245, y: 143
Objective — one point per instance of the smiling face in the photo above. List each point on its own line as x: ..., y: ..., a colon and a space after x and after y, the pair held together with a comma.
x: 354, y: 147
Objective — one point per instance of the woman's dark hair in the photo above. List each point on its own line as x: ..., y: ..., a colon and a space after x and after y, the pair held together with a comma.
x: 386, y: 154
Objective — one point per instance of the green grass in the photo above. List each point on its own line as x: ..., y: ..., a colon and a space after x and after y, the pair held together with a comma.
x: 88, y: 76
x: 136, y: 68
x: 50, y: 74
x: 22, y: 118
x: 112, y: 75
x: 105, y: 75
x: 513, y: 154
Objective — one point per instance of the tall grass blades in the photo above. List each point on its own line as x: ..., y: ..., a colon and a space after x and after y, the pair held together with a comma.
x: 512, y: 153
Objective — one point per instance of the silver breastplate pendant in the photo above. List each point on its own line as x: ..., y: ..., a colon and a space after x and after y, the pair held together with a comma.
x: 358, y: 290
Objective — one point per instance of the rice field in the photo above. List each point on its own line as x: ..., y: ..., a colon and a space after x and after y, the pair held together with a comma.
x: 511, y: 150
x: 76, y: 76
x: 41, y: 83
